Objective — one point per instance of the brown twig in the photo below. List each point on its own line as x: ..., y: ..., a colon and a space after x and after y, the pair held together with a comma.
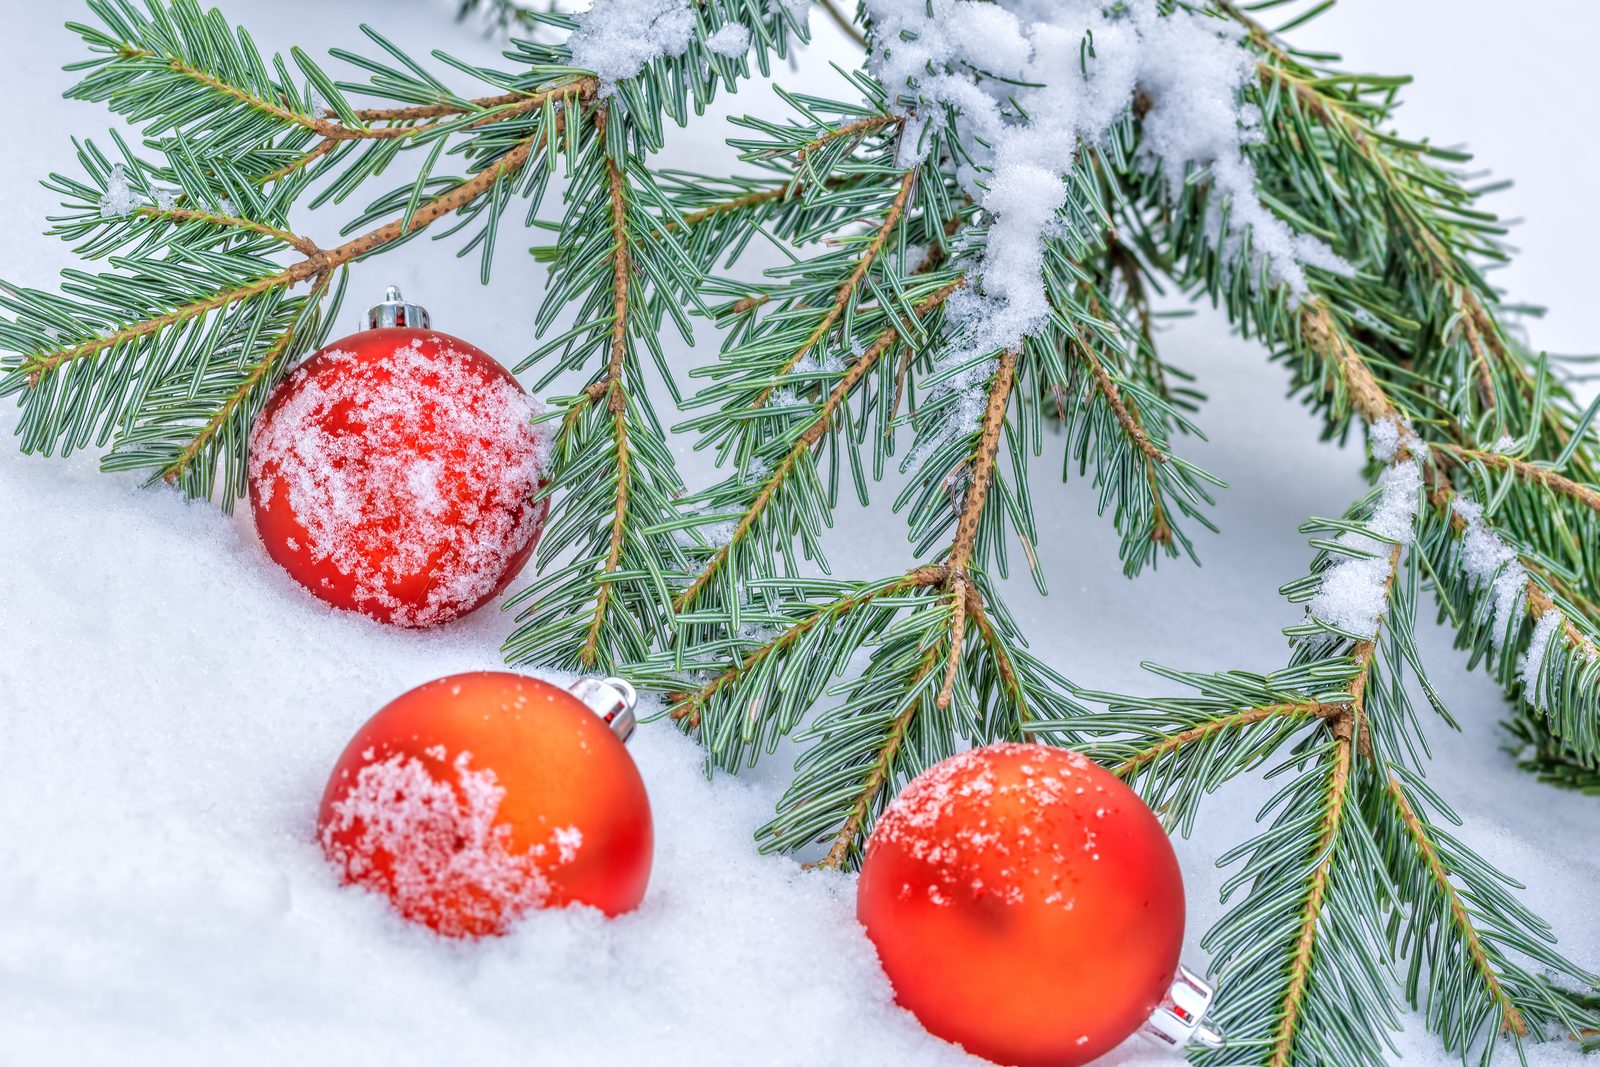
x: 1528, y: 472
x: 1305, y: 944
x: 961, y: 549
x: 327, y: 126
x: 1128, y: 417
x: 304, y: 245
x: 621, y: 271
x: 36, y: 367
x: 857, y: 130
x: 1322, y: 334
x: 878, y: 776
x: 322, y: 148
x: 1002, y: 659
x: 334, y: 134
x: 175, y: 470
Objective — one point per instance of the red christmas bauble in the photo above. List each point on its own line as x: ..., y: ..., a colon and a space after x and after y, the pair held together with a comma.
x: 473, y: 798
x: 395, y: 472
x: 1025, y: 903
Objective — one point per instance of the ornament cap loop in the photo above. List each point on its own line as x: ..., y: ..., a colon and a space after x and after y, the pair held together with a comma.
x: 1180, y: 1019
x: 395, y: 310
x: 612, y: 699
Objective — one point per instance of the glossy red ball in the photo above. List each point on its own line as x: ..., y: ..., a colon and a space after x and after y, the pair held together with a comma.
x: 1025, y: 904
x: 395, y: 473
x: 471, y: 799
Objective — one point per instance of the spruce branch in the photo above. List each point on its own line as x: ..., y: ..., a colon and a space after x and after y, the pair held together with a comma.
x: 1128, y: 416
x: 847, y: 840
x: 611, y: 388
x: 977, y: 495
x: 262, y: 370
x: 1208, y: 729
x: 686, y: 706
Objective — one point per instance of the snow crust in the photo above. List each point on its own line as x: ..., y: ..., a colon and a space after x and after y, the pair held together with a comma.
x: 1544, y: 631
x: 731, y: 40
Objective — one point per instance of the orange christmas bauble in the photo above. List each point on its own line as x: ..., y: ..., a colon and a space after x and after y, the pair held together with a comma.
x: 473, y: 798
x: 1025, y: 903
x: 396, y: 473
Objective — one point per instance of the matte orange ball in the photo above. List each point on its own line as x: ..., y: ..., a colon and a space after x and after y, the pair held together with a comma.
x: 1026, y: 904
x: 473, y: 798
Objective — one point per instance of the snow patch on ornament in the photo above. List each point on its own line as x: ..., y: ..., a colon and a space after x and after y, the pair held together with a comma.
x: 437, y: 850
x: 412, y: 463
x: 960, y: 814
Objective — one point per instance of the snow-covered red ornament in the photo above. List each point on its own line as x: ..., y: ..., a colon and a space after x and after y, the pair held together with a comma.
x: 1027, y: 905
x: 396, y: 472
x: 471, y: 799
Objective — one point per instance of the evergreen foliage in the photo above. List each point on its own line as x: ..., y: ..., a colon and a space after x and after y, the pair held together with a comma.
x: 1353, y: 899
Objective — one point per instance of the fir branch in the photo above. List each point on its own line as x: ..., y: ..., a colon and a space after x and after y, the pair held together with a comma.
x: 852, y: 133
x: 1128, y: 416
x: 960, y: 555
x: 304, y: 245
x: 261, y: 371
x: 847, y: 839
x: 1323, y: 335
x: 611, y: 388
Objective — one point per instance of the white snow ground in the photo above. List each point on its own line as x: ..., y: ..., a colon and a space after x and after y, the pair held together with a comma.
x: 170, y: 703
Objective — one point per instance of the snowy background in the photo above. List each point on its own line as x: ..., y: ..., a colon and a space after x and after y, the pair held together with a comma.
x: 170, y: 704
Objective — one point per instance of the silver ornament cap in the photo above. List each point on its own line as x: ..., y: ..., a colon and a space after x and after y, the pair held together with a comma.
x: 612, y: 699
x: 395, y: 310
x: 1180, y: 1020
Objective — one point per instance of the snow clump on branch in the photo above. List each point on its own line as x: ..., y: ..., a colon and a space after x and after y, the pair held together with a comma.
x: 1026, y: 83
x: 1354, y: 594
x: 618, y: 38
